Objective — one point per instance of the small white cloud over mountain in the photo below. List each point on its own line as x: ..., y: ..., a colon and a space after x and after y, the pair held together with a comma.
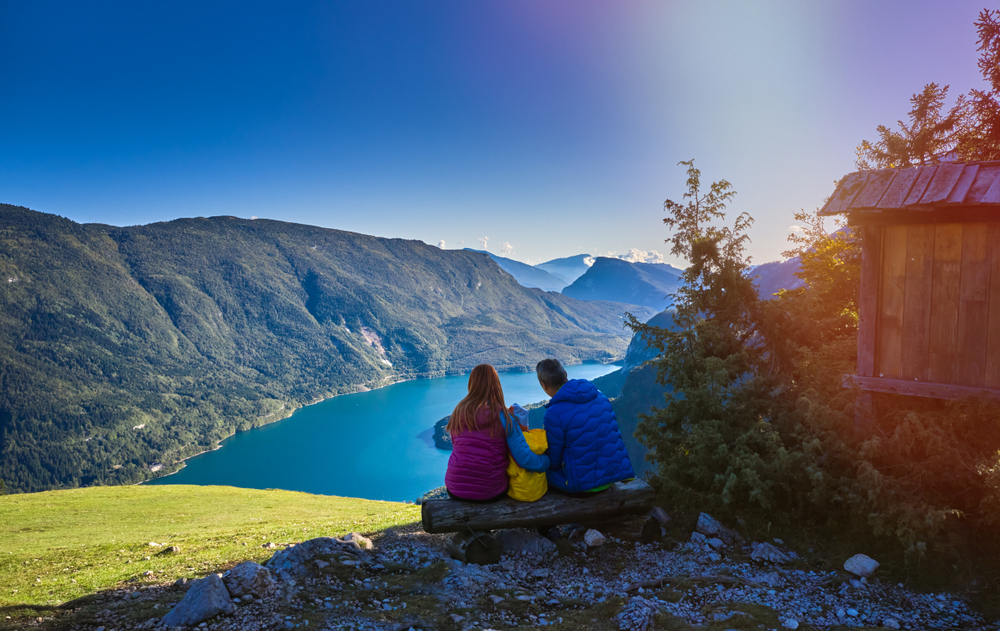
x: 636, y: 255
x: 484, y: 241
x: 441, y: 244
x: 506, y: 249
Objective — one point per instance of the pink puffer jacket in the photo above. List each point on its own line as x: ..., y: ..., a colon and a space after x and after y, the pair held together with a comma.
x: 477, y: 468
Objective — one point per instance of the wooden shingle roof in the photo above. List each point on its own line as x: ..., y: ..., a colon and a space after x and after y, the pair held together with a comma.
x: 942, y: 186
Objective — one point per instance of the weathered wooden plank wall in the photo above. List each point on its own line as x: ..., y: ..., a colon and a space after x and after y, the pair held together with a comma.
x: 993, y: 327
x: 892, y: 294
x: 944, y: 301
x: 938, y: 304
x: 917, y: 304
x: 973, y: 308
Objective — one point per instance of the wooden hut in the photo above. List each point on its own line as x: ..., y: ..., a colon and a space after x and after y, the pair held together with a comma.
x: 930, y: 278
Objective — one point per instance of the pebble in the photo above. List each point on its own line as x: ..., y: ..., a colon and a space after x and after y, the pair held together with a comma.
x: 594, y: 538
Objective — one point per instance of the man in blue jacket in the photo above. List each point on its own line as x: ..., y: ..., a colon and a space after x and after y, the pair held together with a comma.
x: 586, y: 451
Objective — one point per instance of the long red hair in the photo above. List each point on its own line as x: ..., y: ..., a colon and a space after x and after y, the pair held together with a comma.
x: 484, y: 390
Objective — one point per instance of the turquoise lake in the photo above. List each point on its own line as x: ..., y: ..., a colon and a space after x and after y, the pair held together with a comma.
x: 375, y: 445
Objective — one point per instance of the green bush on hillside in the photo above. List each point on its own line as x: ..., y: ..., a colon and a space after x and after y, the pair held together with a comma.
x: 758, y: 422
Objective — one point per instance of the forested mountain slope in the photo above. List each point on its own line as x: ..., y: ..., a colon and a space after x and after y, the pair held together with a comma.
x: 125, y: 347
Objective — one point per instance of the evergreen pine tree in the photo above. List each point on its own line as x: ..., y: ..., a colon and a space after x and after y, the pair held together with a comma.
x: 712, y: 441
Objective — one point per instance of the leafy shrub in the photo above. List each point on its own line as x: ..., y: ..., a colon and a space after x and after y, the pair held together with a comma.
x: 758, y: 421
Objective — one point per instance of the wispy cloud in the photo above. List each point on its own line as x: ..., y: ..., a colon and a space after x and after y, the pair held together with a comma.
x: 506, y: 249
x: 441, y: 244
x: 485, y: 242
x: 796, y: 228
x: 637, y: 256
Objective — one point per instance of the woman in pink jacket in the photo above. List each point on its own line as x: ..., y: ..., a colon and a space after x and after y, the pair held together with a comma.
x: 483, y: 433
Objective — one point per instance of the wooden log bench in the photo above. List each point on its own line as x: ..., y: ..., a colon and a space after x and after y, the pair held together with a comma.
x: 623, y: 498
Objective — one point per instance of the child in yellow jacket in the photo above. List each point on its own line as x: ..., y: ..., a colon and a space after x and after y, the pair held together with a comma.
x: 526, y: 486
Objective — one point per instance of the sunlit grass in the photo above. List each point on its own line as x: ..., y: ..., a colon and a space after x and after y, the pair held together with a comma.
x: 60, y: 545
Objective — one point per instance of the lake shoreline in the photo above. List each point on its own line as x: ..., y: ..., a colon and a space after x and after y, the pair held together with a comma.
x: 267, y: 461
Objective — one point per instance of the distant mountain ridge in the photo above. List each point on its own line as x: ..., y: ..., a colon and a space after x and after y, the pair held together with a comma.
x: 526, y: 275
x: 647, y: 284
x: 569, y: 268
x: 772, y: 277
x: 126, y: 349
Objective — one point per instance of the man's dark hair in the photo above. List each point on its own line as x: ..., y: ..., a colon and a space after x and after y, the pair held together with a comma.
x: 551, y: 373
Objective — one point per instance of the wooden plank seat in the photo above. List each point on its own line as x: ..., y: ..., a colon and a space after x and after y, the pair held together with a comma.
x: 623, y: 498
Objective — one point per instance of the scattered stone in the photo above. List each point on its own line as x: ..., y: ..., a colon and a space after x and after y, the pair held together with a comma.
x: 206, y: 598
x: 169, y: 550
x: 709, y: 527
x: 250, y: 579
x: 147, y: 573
x: 638, y: 613
x: 523, y: 584
x: 767, y: 553
x: 364, y: 542
x: 861, y: 565
x: 771, y: 579
x: 270, y: 545
x: 153, y: 544
x: 295, y: 560
x: 594, y: 539
x: 516, y: 542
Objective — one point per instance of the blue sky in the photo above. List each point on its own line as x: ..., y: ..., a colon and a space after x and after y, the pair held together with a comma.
x: 551, y: 126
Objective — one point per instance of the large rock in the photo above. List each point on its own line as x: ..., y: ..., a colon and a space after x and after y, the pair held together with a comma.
x: 861, y: 565
x: 515, y: 542
x: 767, y: 553
x: 295, y: 561
x: 710, y: 527
x: 250, y: 578
x: 206, y: 598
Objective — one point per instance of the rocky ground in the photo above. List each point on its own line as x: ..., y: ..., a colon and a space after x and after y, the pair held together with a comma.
x: 590, y: 578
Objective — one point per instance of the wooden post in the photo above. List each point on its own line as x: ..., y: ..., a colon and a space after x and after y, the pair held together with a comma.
x: 871, y: 258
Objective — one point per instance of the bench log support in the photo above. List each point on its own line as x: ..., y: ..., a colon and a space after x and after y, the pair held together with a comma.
x: 623, y: 498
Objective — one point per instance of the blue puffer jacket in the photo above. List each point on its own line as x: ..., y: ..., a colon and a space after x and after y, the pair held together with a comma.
x: 585, y: 447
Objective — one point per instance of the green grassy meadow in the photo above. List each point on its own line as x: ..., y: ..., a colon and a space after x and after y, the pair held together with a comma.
x: 58, y: 546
